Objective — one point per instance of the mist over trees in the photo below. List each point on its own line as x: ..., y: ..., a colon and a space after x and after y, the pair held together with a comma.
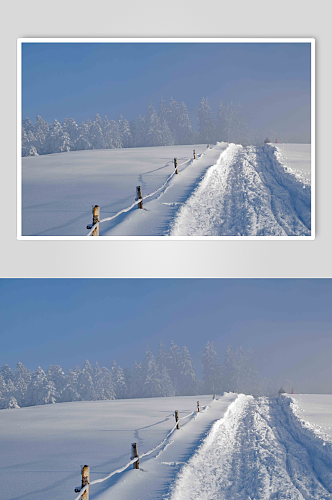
x: 168, y: 125
x: 170, y: 373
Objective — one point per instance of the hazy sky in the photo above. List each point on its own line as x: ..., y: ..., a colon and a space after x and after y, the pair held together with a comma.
x: 78, y: 80
x: 287, y: 322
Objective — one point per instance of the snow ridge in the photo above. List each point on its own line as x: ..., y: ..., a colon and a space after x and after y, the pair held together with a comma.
x: 256, y: 452
x: 247, y: 193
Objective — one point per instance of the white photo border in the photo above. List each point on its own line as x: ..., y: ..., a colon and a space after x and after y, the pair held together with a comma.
x: 21, y: 41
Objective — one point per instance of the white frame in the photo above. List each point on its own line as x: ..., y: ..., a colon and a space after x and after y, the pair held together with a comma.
x: 20, y: 41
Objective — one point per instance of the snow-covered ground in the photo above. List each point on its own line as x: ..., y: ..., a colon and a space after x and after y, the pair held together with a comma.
x: 229, y: 190
x: 249, y: 192
x: 261, y: 450
x: 296, y: 158
x: 58, y: 190
x: 43, y: 447
x: 237, y: 448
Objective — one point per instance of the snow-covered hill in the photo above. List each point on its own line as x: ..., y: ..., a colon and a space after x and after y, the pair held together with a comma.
x: 237, y: 448
x: 228, y: 190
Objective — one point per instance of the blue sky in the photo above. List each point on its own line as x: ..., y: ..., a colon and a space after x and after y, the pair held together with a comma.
x: 78, y: 80
x: 287, y: 322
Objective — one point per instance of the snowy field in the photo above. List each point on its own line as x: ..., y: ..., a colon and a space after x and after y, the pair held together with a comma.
x: 59, y: 190
x: 237, y: 448
x: 43, y: 447
x: 296, y: 158
x: 229, y: 190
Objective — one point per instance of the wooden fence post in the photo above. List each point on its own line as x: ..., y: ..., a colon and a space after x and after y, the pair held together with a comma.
x: 214, y: 396
x: 177, y: 419
x: 134, y: 454
x: 95, y: 219
x: 139, y: 195
x: 208, y: 146
x: 176, y: 165
x: 194, y: 154
x: 85, y: 481
x: 198, y: 407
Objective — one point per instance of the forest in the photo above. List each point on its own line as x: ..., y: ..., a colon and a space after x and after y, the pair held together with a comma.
x: 170, y: 373
x: 168, y: 125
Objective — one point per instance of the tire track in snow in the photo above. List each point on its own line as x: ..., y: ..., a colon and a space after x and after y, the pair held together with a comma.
x: 244, y: 195
x: 251, y: 454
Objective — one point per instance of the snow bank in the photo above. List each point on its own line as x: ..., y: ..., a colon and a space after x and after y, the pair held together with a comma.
x: 309, y: 418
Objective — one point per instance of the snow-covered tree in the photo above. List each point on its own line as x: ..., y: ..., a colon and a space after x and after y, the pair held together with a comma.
x: 82, y: 142
x: 119, y: 383
x: 173, y: 365
x: 56, y: 375
x: 86, y: 387
x: 7, y: 374
x: 173, y: 118
x: 96, y: 134
x: 185, y: 131
x: 70, y: 392
x: 152, y: 128
x: 103, y: 383
x: 188, y: 382
x: 40, y: 391
x: 56, y: 140
x: 124, y: 130
x: 40, y: 130
x: 22, y: 377
x: 70, y: 126
x: 211, y: 370
x: 206, y: 123
x: 151, y: 376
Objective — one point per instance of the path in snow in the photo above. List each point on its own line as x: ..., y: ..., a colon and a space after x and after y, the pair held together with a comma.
x: 253, y: 453
x: 247, y: 193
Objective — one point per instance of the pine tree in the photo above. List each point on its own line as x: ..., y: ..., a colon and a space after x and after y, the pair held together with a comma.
x: 55, y: 374
x: 70, y: 392
x: 103, y: 383
x: 124, y: 130
x: 173, y: 118
x: 173, y: 365
x: 70, y: 126
x: 119, y: 383
x: 82, y: 142
x: 7, y: 374
x: 185, y: 131
x: 96, y: 134
x: 40, y: 391
x: 40, y: 130
x: 86, y: 387
x: 56, y: 140
x: 211, y: 370
x: 152, y: 128
x: 3, y: 392
x: 151, y: 376
x: 188, y: 382
x: 206, y: 125
x: 22, y: 377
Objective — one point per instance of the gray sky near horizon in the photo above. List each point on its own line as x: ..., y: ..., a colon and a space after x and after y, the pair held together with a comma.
x: 286, y: 322
x: 271, y: 81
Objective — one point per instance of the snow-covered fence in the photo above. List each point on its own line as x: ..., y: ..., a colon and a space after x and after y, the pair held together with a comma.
x: 94, y: 228
x: 83, y: 492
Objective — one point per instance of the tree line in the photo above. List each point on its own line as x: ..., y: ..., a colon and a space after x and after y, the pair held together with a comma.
x: 168, y: 125
x: 170, y: 373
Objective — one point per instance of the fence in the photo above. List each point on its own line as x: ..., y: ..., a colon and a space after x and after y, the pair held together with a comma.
x: 83, y: 490
x: 94, y: 227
